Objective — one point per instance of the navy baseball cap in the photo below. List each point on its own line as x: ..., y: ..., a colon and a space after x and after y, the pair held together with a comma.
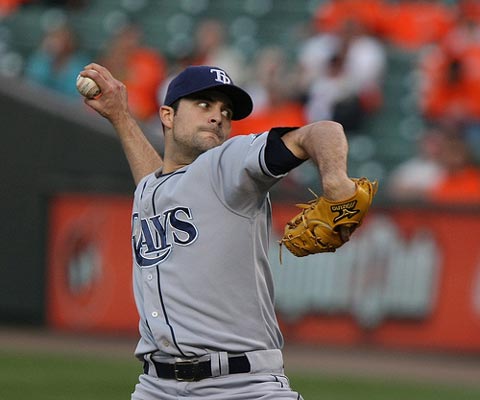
x: 195, y: 79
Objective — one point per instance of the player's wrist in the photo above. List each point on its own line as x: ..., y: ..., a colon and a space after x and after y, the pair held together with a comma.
x: 338, y: 187
x: 121, y: 119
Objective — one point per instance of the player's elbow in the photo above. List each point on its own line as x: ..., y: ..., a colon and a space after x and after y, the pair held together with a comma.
x: 305, y: 139
x: 321, y: 131
x: 326, y: 126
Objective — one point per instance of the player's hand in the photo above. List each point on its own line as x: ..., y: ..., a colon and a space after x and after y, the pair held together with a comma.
x: 337, y: 189
x: 113, y: 101
x: 324, y: 225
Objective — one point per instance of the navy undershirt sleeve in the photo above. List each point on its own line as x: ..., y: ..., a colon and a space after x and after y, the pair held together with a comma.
x: 278, y: 158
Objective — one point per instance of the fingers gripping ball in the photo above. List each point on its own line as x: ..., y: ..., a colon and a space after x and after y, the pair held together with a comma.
x: 316, y: 228
x: 87, y: 87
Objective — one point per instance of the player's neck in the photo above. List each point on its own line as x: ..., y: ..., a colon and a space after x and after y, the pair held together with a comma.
x: 170, y: 166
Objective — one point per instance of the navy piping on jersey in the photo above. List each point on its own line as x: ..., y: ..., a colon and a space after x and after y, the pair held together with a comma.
x: 260, y: 161
x: 167, y: 321
x: 282, y: 386
x: 141, y: 196
x: 168, y: 176
x: 143, y: 189
x: 278, y: 380
x: 172, y: 332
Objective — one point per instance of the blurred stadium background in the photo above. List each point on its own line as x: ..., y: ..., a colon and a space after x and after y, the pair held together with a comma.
x: 395, y: 314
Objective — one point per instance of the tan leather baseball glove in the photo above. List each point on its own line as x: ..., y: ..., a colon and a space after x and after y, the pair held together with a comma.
x: 315, y: 229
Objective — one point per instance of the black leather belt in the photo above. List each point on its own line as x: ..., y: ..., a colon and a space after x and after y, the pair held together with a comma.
x: 195, y: 370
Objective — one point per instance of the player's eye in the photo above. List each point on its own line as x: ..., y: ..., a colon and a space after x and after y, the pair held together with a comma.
x: 203, y: 104
x: 227, y: 113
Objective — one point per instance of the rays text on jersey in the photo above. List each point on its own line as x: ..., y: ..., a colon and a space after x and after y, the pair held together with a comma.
x: 154, y: 238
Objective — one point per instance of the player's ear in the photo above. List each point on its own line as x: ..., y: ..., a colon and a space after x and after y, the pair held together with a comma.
x: 166, y: 114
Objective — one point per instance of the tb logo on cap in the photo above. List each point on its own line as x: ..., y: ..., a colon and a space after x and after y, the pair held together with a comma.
x: 221, y: 76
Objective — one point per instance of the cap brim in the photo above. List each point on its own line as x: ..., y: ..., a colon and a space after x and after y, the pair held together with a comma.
x: 241, y: 101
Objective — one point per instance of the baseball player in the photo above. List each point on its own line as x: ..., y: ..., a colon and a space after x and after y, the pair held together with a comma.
x: 200, y: 234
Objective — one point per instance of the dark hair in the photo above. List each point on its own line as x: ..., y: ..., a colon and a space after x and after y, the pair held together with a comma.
x: 175, y: 105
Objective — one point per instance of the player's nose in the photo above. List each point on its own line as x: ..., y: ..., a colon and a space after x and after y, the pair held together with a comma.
x: 215, y: 116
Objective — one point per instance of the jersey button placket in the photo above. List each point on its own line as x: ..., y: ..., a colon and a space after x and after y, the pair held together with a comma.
x: 151, y: 294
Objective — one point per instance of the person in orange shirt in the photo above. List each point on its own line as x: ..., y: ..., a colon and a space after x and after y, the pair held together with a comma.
x: 461, y: 180
x: 470, y: 9
x: 142, y: 69
x: 331, y: 15
x: 281, y: 112
x: 412, y: 24
x: 450, y: 85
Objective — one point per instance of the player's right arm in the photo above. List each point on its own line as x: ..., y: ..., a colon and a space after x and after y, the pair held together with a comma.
x: 112, y: 104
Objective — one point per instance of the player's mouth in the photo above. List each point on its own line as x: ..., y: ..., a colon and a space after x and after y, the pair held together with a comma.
x: 216, y: 132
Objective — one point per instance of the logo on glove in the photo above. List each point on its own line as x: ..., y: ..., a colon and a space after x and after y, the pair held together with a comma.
x: 346, y: 210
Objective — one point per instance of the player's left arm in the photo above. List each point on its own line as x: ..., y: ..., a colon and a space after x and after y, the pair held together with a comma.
x: 326, y: 145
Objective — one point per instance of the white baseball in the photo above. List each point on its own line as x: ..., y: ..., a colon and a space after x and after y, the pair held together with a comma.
x: 87, y: 87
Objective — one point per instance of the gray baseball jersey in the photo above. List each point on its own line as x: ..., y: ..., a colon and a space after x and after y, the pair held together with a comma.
x: 200, y: 236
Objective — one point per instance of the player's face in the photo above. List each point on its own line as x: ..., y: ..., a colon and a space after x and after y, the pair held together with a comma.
x: 202, y: 122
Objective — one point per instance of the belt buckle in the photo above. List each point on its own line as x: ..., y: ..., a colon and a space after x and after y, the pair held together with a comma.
x: 183, y: 373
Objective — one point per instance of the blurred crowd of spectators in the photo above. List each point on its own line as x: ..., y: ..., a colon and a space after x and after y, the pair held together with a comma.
x: 337, y: 73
